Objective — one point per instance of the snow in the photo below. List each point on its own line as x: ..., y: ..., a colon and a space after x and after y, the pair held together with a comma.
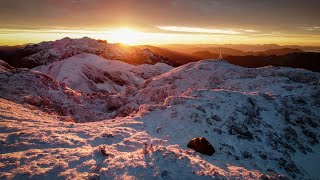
x: 53, y: 97
x: 210, y: 74
x: 310, y: 162
x: 148, y: 71
x: 262, y: 122
x: 90, y: 73
x: 68, y: 150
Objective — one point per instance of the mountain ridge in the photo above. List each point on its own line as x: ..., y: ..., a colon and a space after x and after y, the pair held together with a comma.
x: 34, y: 55
x: 46, y: 52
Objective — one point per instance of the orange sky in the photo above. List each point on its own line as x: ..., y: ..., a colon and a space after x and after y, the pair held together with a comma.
x: 287, y: 22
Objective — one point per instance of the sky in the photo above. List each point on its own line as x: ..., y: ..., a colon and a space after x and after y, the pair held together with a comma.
x: 284, y: 22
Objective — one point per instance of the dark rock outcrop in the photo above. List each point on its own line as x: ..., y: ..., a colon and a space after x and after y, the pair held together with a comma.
x: 201, y: 145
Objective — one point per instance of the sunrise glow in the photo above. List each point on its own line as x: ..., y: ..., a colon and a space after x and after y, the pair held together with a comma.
x: 161, y: 22
x: 126, y: 36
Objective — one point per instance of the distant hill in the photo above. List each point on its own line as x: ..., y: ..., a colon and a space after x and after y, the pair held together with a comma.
x: 235, y: 52
x: 8, y: 51
x: 177, y: 57
x: 205, y: 55
x: 224, y: 51
x: 214, y: 52
x: 278, y: 52
x: 242, y: 47
x: 305, y: 60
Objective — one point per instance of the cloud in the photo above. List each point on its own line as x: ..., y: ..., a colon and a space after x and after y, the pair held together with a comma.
x: 79, y: 1
x: 311, y: 28
x: 198, y: 30
x: 249, y: 30
x: 54, y: 31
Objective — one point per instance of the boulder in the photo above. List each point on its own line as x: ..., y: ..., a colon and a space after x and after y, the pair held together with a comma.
x: 33, y: 100
x: 201, y: 145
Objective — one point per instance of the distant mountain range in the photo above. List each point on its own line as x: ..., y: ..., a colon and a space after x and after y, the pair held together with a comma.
x: 287, y: 57
x: 213, y: 52
x: 29, y: 56
x: 47, y: 52
x: 305, y: 60
x: 241, y: 47
x: 175, y: 56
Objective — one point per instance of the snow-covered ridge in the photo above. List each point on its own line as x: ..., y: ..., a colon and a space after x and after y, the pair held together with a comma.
x: 43, y: 92
x: 217, y: 74
x: 148, y: 71
x: 51, y: 51
x: 258, y: 120
x: 90, y: 73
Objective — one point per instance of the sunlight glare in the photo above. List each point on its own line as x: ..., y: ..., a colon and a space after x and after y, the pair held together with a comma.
x: 126, y: 36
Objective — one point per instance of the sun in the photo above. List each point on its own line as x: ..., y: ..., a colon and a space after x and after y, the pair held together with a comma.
x: 126, y: 36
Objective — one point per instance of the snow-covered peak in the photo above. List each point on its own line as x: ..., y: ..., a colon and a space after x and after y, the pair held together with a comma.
x: 84, y: 42
x: 51, y: 51
x: 90, y: 73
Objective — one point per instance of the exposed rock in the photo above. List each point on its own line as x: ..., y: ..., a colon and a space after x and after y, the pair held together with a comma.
x: 33, y: 100
x: 201, y: 145
x: 104, y: 151
x: 241, y: 130
x: 216, y: 118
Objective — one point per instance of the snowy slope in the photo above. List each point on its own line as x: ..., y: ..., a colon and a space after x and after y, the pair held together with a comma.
x: 148, y: 71
x: 274, y: 111
x: 261, y: 122
x: 90, y: 73
x: 42, y: 92
x: 73, y: 151
x: 250, y: 130
x: 216, y: 74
